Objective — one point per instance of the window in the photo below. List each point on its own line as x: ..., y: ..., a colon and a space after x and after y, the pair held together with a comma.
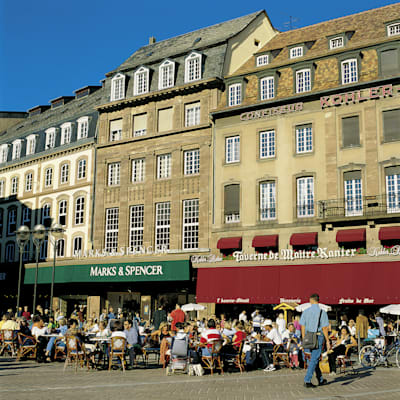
x: 48, y: 177
x: 2, y: 187
x: 46, y: 215
x: 77, y: 245
x: 296, y: 52
x: 50, y: 138
x: 262, y: 60
x: 232, y: 149
x: 64, y: 173
x: 193, y: 67
x: 267, y: 90
x: 139, y: 125
x: 389, y: 62
x: 138, y: 170
x: 141, y: 81
x: 66, y: 133
x: 393, y: 189
x: 336, y: 42
x: 3, y: 153
x: 10, y: 252
x: 192, y: 114
x: 166, y: 75
x: 136, y: 227
x: 353, y: 193
x: 60, y: 248
x: 43, y: 249
x: 391, y: 124
x: 62, y: 212
x: 192, y: 162
x: 30, y: 144
x: 83, y: 127
x: 267, y: 201
x: 28, y: 182
x: 305, y: 197
x: 115, y: 130
x: 26, y: 216
x: 303, y: 80
x: 118, y: 87
x: 1, y: 223
x: 232, y: 203
x: 350, y: 131
x: 267, y: 144
x: 165, y: 119
x: 14, y: 186
x: 190, y: 236
x: 304, y: 139
x: 79, y: 210
x: 164, y: 166
x: 349, y: 71
x: 16, y: 149
x: 11, y: 221
x: 235, y: 94
x: 114, y: 174
x: 112, y: 221
x: 81, y: 169
x: 26, y: 252
x: 163, y: 220
x: 393, y: 29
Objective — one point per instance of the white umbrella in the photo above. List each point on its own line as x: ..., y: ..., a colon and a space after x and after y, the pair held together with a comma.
x: 304, y: 306
x: 192, y: 307
x: 392, y: 309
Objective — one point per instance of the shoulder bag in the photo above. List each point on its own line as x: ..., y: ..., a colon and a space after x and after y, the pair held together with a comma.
x: 310, y: 340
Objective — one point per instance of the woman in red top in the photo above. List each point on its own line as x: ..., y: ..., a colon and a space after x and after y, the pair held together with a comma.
x: 239, y: 336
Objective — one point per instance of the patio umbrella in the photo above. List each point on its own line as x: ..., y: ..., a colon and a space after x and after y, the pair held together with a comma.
x: 192, y: 307
x: 392, y: 309
x: 304, y: 306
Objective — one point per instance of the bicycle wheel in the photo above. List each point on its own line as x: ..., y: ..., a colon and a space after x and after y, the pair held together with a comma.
x: 391, y: 357
x: 398, y: 357
x: 369, y: 356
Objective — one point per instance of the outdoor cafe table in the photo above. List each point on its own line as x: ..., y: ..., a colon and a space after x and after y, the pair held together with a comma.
x: 103, y: 342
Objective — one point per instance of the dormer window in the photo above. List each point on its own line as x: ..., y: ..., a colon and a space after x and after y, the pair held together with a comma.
x: 3, y: 153
x: 16, y: 151
x: 193, y: 67
x: 118, y: 87
x: 83, y: 127
x: 50, y: 138
x: 349, y: 71
x: 66, y: 130
x: 141, y: 84
x: 262, y: 60
x: 336, y: 42
x: 30, y: 144
x: 393, y: 29
x: 296, y: 52
x: 166, y: 75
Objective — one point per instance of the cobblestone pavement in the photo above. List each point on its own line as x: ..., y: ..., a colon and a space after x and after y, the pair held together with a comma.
x: 29, y: 380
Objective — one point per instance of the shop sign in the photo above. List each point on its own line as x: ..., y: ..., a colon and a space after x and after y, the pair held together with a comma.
x: 283, y: 300
x: 117, y: 272
x: 357, y: 96
x: 382, y: 251
x: 122, y: 251
x: 365, y: 300
x: 238, y: 300
x: 271, y: 112
x: 209, y: 258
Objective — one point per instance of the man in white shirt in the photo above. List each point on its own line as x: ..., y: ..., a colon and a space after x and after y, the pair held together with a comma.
x: 257, y: 321
x: 243, y: 316
x: 281, y: 322
x: 272, y: 337
x: 117, y: 330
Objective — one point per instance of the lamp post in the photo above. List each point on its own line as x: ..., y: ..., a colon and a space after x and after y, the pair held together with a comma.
x: 23, y: 234
x: 56, y: 231
x: 39, y: 232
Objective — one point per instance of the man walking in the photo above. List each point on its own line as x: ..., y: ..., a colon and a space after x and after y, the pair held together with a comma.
x: 314, y: 319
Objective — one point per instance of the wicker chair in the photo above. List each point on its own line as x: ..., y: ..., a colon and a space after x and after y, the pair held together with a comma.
x: 8, y: 341
x: 60, y: 349
x: 117, y: 351
x: 213, y: 361
x: 280, y: 356
x: 27, y: 346
x: 75, y: 354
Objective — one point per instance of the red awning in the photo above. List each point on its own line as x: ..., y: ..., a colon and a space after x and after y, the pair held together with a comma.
x: 304, y: 239
x: 230, y: 243
x: 351, y: 235
x: 265, y: 241
x: 389, y: 233
x: 335, y: 283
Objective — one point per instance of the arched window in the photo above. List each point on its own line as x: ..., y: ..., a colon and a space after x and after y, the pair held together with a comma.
x: 64, y: 173
x: 83, y: 127
x: 77, y: 245
x: 60, y: 248
x: 79, y: 210
x: 141, y: 84
x: 193, y: 67
x: 10, y: 252
x: 166, y: 74
x: 62, y: 212
x: 118, y: 87
x: 66, y: 131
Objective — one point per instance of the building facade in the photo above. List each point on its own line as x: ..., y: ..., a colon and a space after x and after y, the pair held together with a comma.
x: 307, y: 169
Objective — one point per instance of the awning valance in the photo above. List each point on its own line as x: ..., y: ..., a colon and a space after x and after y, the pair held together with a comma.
x: 389, y: 233
x: 304, y: 239
x: 265, y: 241
x: 230, y: 243
x: 351, y: 235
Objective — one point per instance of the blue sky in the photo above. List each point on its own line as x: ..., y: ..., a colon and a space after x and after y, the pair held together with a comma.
x: 51, y: 48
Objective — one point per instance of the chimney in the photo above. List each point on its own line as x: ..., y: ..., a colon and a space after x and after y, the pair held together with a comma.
x: 152, y: 40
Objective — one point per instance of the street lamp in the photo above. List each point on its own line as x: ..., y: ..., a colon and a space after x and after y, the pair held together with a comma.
x: 22, y: 234
x: 39, y: 232
x: 56, y: 231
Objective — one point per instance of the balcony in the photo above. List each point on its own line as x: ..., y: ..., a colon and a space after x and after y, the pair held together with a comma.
x: 360, y: 207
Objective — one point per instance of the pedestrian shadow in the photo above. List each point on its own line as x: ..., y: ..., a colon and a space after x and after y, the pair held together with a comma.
x: 352, y: 376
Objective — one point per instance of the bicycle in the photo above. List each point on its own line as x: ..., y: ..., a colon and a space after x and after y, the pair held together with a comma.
x: 372, y: 355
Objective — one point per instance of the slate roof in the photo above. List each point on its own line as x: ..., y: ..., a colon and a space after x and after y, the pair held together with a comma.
x: 365, y: 28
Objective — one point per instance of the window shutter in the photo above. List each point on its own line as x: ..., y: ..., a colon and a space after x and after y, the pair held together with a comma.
x: 116, y: 125
x: 165, y: 119
x: 350, y: 131
x: 392, y: 170
x: 232, y: 199
x: 351, y: 175
x: 140, y: 122
x: 390, y: 62
x: 391, y: 125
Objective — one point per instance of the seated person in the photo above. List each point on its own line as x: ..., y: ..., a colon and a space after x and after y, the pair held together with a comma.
x: 271, y: 337
x: 239, y: 336
x: 9, y: 323
x: 344, y: 342
x: 209, y: 336
x: 24, y: 327
x: 228, y: 332
x: 132, y: 340
x: 117, y: 330
x: 103, y: 330
x: 61, y: 331
x: 91, y: 326
x: 292, y: 342
x: 38, y: 327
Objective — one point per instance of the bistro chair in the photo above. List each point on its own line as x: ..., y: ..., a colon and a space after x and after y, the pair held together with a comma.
x: 213, y: 361
x: 60, y: 349
x: 27, y: 346
x: 237, y: 359
x: 75, y: 354
x: 8, y: 341
x: 117, y: 351
x: 344, y: 361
